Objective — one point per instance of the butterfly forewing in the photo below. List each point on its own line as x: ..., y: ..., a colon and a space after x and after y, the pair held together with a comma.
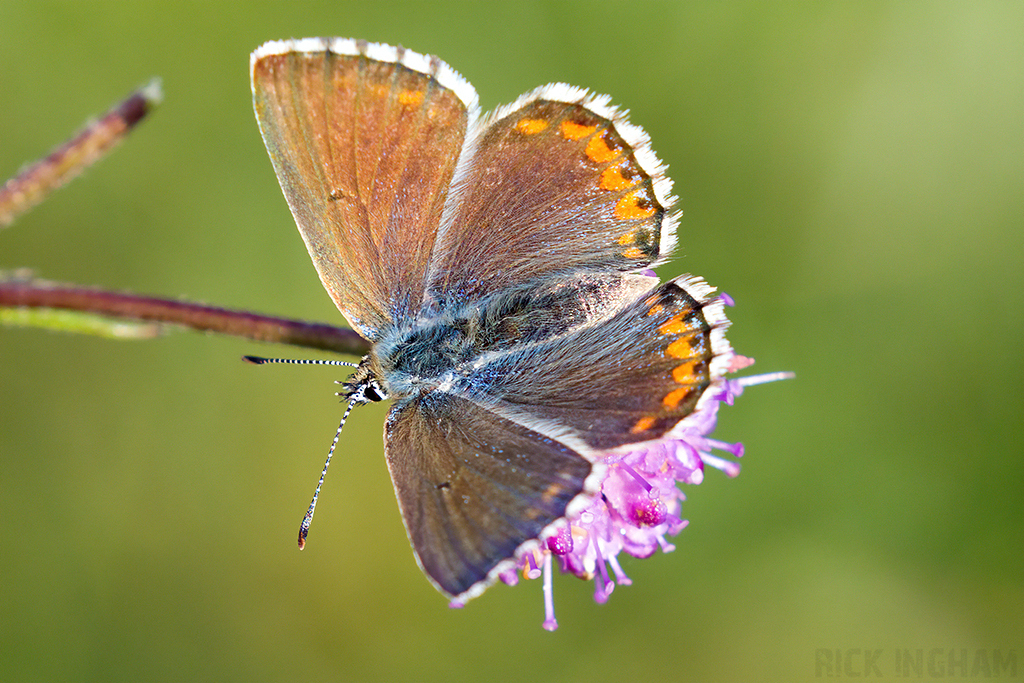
x: 473, y: 486
x: 364, y: 148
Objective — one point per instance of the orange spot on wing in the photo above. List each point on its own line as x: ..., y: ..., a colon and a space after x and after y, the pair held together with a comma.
x: 613, y: 180
x: 628, y: 238
x: 576, y: 131
x: 551, y: 492
x: 674, y: 398
x: 633, y: 252
x: 680, y: 348
x: 643, y: 424
x: 655, y: 310
x: 410, y: 98
x: 673, y: 326
x: 599, y: 151
x: 633, y: 206
x: 685, y: 373
x: 531, y: 126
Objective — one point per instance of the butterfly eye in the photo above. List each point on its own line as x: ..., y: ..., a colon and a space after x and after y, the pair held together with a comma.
x: 374, y: 392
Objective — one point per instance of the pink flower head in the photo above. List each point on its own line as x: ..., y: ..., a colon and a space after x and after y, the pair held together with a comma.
x: 640, y: 503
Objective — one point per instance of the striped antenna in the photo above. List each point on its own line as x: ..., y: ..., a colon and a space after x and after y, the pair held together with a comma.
x: 260, y: 360
x: 358, y: 396
x: 308, y: 519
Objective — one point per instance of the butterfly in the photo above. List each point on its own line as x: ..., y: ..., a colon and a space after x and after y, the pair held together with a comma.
x: 499, y: 266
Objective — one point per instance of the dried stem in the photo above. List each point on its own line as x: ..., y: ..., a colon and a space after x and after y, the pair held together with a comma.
x: 36, y: 181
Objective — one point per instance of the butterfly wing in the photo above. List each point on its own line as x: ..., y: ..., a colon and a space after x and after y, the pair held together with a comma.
x: 556, y: 183
x: 473, y: 487
x: 629, y: 378
x: 364, y: 139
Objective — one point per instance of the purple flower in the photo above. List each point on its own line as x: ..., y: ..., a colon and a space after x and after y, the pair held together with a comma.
x: 640, y: 503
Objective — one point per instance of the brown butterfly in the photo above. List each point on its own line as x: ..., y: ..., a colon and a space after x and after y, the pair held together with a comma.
x: 499, y: 266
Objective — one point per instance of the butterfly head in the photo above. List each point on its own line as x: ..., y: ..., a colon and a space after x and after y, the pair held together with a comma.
x: 363, y: 385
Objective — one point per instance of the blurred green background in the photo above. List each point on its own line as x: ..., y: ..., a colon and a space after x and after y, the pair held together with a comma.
x: 852, y: 174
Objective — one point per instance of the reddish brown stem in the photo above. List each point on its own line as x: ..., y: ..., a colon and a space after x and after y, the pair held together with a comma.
x: 36, y: 294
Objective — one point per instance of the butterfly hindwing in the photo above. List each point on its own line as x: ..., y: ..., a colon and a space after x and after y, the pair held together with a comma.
x: 625, y: 379
x: 556, y: 183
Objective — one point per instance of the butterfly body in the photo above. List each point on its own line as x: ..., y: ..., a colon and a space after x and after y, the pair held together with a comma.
x: 498, y: 266
x: 450, y: 343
